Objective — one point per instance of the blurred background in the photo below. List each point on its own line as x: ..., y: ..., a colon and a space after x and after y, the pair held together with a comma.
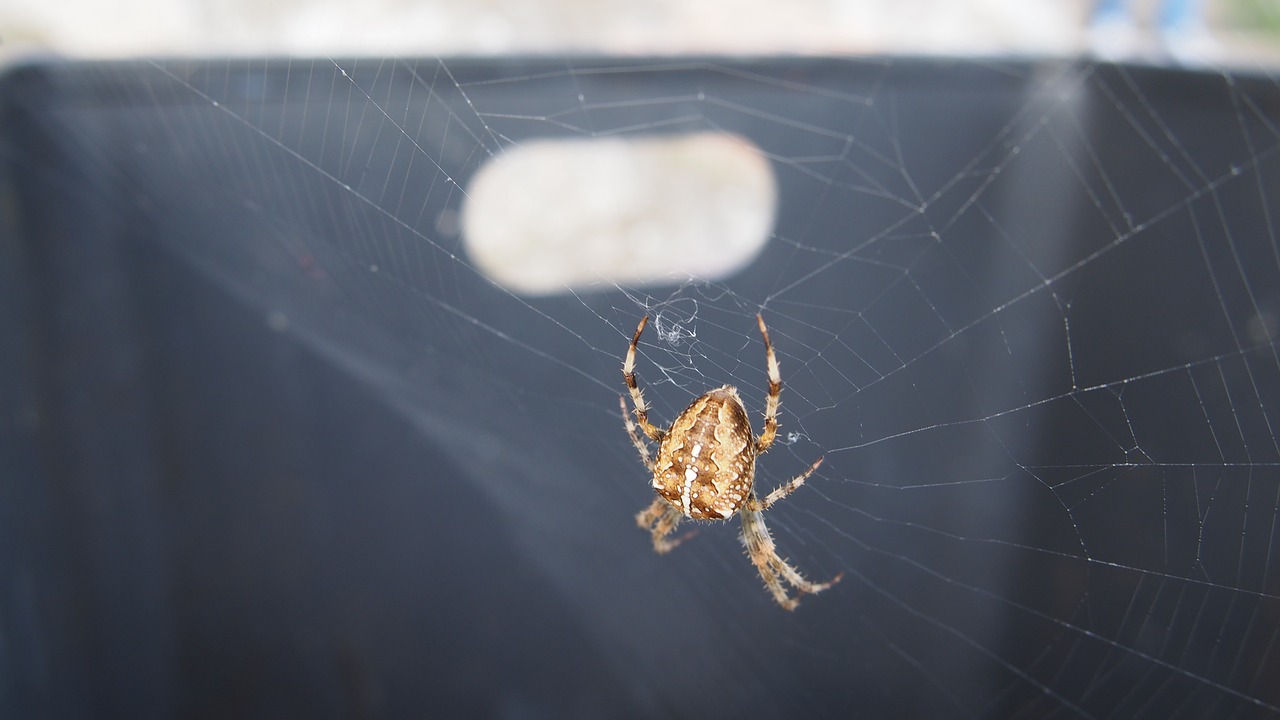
x: 280, y: 436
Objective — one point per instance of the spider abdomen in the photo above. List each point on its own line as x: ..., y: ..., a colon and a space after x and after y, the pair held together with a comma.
x: 706, y: 462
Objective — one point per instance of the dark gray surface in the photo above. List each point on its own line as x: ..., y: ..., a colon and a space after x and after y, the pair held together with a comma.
x: 242, y: 474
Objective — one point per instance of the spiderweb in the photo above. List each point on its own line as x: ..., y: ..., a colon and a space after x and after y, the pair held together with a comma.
x: 1026, y: 312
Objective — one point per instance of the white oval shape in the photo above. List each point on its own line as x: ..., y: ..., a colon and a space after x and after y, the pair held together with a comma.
x: 578, y: 214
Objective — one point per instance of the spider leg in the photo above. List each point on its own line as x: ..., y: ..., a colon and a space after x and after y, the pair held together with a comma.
x: 772, y: 568
x: 661, y: 518
x: 784, y: 490
x: 636, y: 440
x: 637, y: 397
x: 775, y: 391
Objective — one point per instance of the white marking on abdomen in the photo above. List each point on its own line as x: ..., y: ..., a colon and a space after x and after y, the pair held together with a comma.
x: 690, y: 474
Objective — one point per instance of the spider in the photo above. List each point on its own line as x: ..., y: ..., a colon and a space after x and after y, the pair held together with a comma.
x: 705, y: 470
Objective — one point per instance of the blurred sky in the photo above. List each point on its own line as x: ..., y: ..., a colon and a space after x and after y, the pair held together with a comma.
x: 91, y: 28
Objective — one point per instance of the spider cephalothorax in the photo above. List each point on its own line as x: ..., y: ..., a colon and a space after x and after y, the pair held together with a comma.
x: 705, y: 470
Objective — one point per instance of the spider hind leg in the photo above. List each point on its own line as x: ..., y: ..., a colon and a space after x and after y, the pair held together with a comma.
x: 661, y: 519
x: 772, y: 568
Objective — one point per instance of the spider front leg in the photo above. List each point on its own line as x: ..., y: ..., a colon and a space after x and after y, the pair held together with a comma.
x: 775, y: 392
x: 661, y: 518
x: 636, y: 440
x: 637, y: 398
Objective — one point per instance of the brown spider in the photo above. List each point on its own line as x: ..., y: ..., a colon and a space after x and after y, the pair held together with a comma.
x: 706, y: 470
